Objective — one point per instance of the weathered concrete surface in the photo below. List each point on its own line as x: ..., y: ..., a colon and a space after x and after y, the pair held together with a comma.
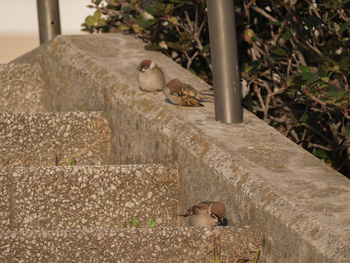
x: 29, y: 139
x: 88, y: 197
x: 301, y: 205
x: 21, y: 88
x: 163, y: 244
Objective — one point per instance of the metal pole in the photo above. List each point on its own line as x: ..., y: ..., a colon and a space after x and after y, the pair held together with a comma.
x: 224, y: 57
x: 49, y: 20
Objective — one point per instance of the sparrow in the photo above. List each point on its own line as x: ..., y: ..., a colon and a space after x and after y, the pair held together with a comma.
x: 150, y: 77
x: 183, y: 94
x: 206, y: 213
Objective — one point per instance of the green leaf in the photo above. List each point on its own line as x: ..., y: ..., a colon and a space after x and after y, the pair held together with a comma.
x: 174, y: 45
x: 136, y: 28
x: 304, y: 117
x: 322, y: 71
x: 156, y: 9
x: 334, y: 92
x: 134, y: 222
x: 124, y: 27
x: 305, y: 69
x: 287, y: 35
x: 344, y: 27
x: 151, y: 222
x: 250, y: 33
x: 126, y: 17
x: 97, y: 15
x: 335, y: 68
x: 310, y: 77
x: 278, y: 51
x: 146, y: 20
x: 90, y: 21
x: 94, y: 19
x: 185, y: 37
x: 169, y: 8
x: 101, y: 23
x: 336, y: 27
x: 174, y: 20
x: 97, y: 2
x: 345, y: 62
x: 312, y: 21
x: 292, y: 117
x: 206, y: 48
x: 126, y: 9
x: 325, y: 79
x: 291, y: 81
x: 322, y: 154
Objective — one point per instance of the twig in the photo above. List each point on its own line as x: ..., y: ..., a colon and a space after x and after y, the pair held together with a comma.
x: 262, y: 12
x: 189, y: 22
x: 87, y: 149
x: 315, y: 145
x: 317, y: 132
x: 258, y: 93
x: 299, y: 54
x: 292, y: 132
x: 314, y: 9
x: 311, y: 96
x: 282, y: 119
x: 190, y: 59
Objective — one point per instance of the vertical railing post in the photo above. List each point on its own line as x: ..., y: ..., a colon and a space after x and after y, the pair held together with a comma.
x: 224, y: 57
x: 49, y: 20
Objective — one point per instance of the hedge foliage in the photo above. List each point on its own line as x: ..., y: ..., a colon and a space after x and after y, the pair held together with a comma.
x: 294, y: 56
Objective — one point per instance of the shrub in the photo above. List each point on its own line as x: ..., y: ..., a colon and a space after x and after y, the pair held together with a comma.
x: 294, y: 55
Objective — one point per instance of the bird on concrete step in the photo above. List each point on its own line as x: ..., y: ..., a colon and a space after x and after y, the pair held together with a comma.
x: 150, y: 77
x: 183, y: 94
x: 206, y: 213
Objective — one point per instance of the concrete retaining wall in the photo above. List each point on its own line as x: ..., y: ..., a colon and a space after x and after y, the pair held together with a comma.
x: 301, y: 206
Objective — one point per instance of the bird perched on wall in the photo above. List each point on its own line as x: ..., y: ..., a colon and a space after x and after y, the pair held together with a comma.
x: 183, y: 94
x: 150, y: 77
x: 206, y: 213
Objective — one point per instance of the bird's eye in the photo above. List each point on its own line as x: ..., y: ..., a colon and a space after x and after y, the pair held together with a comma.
x: 214, y: 216
x: 142, y: 69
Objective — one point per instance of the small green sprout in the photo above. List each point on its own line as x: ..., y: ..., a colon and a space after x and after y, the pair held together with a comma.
x: 71, y: 161
x: 256, y: 258
x: 151, y: 222
x: 134, y: 222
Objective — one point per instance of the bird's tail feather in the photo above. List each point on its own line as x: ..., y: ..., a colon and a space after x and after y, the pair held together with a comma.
x: 185, y: 215
x: 208, y: 98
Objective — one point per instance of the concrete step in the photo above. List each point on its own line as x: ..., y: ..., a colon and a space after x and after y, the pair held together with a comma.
x: 88, y: 197
x: 161, y: 244
x: 21, y: 88
x: 40, y: 139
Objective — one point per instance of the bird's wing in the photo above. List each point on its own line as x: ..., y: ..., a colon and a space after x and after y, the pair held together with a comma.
x: 188, y: 95
x: 190, y: 101
x: 199, y: 208
x: 191, y: 91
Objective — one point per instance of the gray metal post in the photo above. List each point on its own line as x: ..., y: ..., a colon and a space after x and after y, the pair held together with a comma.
x: 49, y: 20
x: 224, y: 57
